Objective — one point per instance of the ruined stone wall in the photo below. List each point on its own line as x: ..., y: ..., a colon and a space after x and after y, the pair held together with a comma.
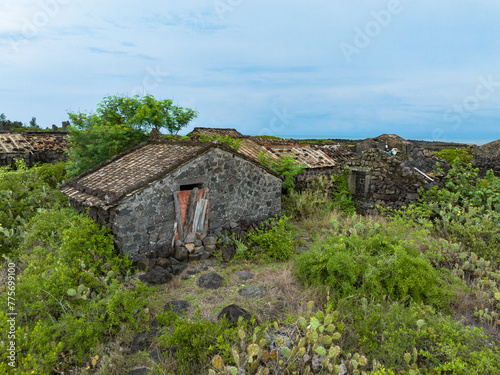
x: 380, y: 179
x: 239, y: 192
x: 302, y: 179
x: 487, y: 157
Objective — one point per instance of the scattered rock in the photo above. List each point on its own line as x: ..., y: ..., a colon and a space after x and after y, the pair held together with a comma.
x: 232, y: 313
x: 192, y: 271
x: 138, y: 371
x: 228, y: 252
x: 210, y: 280
x: 244, y: 275
x: 178, y: 268
x: 156, y: 276
x: 253, y: 291
x: 141, y: 342
x: 178, y: 306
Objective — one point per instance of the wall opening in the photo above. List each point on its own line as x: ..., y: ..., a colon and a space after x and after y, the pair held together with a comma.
x: 190, y: 187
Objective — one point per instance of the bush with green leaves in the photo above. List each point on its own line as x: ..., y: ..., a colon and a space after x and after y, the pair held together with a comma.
x: 285, y: 166
x: 227, y: 140
x: 373, y: 262
x: 22, y: 192
x: 467, y: 210
x: 196, y: 339
x: 462, y: 155
x: 273, y: 240
x: 320, y: 196
x: 402, y: 337
x: 71, y: 283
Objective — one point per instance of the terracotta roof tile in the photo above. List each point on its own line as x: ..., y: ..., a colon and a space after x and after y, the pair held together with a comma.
x: 109, y: 182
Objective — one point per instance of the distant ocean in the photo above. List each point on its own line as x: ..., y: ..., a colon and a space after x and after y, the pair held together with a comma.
x: 469, y: 141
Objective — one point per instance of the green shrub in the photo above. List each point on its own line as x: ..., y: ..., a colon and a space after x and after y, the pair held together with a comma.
x: 227, y: 140
x: 274, y: 239
x: 22, y: 193
x: 462, y: 155
x: 196, y: 340
x: 285, y: 166
x: 391, y: 333
x: 70, y: 282
x: 467, y: 210
x: 373, y: 262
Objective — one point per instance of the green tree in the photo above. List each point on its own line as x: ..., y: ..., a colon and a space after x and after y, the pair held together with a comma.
x: 3, y: 117
x: 118, y: 124
x: 33, y: 122
x: 145, y: 113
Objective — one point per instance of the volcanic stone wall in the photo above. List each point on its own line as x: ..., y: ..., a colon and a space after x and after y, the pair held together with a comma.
x: 240, y: 193
x: 377, y: 178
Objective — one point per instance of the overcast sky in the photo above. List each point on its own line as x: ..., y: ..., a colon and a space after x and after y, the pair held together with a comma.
x: 320, y: 68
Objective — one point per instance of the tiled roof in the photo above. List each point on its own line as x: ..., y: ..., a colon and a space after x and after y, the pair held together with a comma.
x: 252, y: 149
x: 338, y: 153
x: 14, y: 143
x: 217, y: 132
x: 22, y: 143
x: 109, y: 182
x: 304, y: 154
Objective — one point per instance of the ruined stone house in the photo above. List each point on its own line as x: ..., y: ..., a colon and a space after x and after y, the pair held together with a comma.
x: 487, y: 157
x: 163, y: 191
x: 33, y: 147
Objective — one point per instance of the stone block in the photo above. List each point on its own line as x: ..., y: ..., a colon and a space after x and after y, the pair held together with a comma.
x: 181, y: 253
x: 210, y: 248
x: 190, y: 238
x: 190, y: 247
x: 163, y: 262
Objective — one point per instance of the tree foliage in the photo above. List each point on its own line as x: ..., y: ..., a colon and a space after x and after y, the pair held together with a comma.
x: 285, y: 166
x: 118, y: 124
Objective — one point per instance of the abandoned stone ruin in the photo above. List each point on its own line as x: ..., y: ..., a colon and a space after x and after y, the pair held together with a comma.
x: 33, y: 147
x: 487, y: 157
x: 166, y: 202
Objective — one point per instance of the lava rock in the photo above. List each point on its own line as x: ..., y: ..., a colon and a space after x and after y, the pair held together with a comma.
x: 210, y: 280
x: 232, y: 314
x: 156, y: 276
x: 253, y: 291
